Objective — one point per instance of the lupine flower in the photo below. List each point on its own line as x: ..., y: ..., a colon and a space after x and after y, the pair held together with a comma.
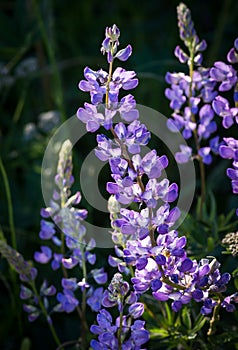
x: 95, y: 84
x: 160, y: 264
x: 25, y: 293
x: 225, y: 74
x: 222, y: 108
x: 94, y: 298
x: 94, y: 117
x: 67, y: 301
x: 107, y: 331
x: 117, y: 290
x: 110, y: 44
x: 184, y: 155
x: 191, y: 95
x: 232, y: 55
x: 188, y: 36
x: 229, y: 150
x: 33, y: 312
x: 134, y: 136
x: 44, y: 256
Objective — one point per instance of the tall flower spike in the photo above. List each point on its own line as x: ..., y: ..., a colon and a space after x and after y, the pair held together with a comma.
x: 189, y: 36
x: 25, y: 270
x: 146, y: 246
x: 185, y: 24
x: 64, y: 177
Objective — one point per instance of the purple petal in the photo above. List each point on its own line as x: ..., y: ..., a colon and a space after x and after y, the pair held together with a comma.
x: 160, y: 296
x: 124, y: 54
x: 186, y: 265
x: 44, y: 256
x: 136, y: 310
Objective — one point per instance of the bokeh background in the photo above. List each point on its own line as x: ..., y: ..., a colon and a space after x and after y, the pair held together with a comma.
x: 44, y: 47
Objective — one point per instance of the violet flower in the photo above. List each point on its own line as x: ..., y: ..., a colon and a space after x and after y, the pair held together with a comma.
x: 230, y: 151
x: 191, y: 95
x: 232, y: 56
x: 144, y: 239
x: 110, y: 335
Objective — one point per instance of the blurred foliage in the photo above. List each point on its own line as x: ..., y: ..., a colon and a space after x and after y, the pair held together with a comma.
x: 44, y: 47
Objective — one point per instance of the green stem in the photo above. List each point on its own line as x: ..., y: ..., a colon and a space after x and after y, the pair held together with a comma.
x: 9, y: 204
x: 169, y: 282
x: 152, y: 229
x: 57, y: 85
x: 215, y: 317
x: 20, y: 105
x: 11, y: 64
x: 108, y: 83
x: 203, y: 187
x: 84, y: 327
x: 13, y: 243
x: 119, y: 332
x: 201, y: 164
x: 44, y: 311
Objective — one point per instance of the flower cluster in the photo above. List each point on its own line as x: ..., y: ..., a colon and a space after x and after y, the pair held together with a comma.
x: 37, y: 303
x: 150, y: 255
x: 229, y: 150
x: 26, y: 271
x: 146, y: 246
x: 67, y: 219
x: 226, y: 78
x: 112, y: 335
x: 104, y: 87
x: 191, y: 95
x: 196, y: 99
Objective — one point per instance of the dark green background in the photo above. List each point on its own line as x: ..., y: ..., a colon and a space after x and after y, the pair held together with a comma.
x: 74, y: 31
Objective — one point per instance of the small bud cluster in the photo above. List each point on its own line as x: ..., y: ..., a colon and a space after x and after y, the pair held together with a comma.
x: 231, y: 241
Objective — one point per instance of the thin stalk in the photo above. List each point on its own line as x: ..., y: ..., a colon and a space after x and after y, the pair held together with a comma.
x: 68, y: 343
x: 20, y: 105
x: 215, y: 317
x: 168, y: 281
x: 13, y: 244
x: 12, y: 63
x: 10, y: 206
x: 201, y: 164
x: 108, y: 83
x: 57, y: 85
x: 41, y: 304
x: 119, y: 332
x: 84, y: 327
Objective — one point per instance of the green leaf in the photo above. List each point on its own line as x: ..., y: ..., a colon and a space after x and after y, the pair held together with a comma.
x: 236, y: 283
x: 199, y: 323
x: 169, y: 314
x: 25, y: 344
x: 213, y: 207
x: 210, y: 243
x: 186, y: 318
x: 158, y: 333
